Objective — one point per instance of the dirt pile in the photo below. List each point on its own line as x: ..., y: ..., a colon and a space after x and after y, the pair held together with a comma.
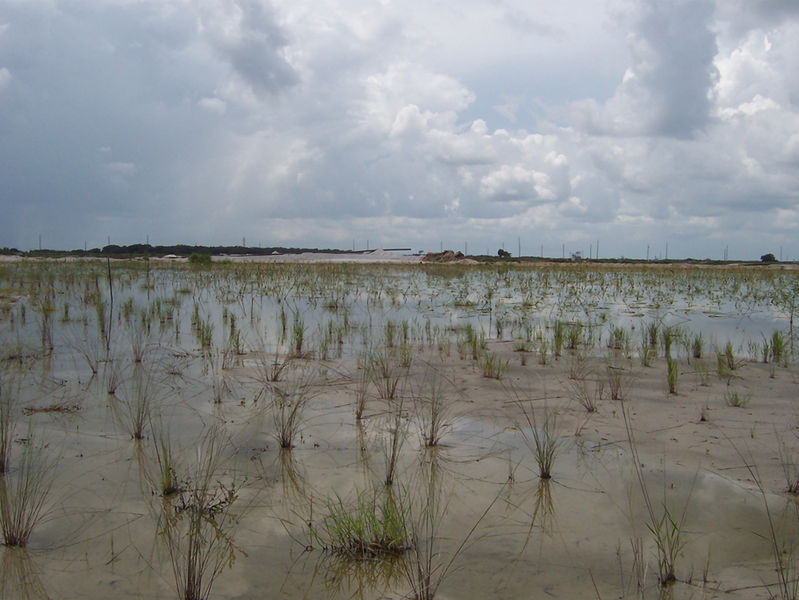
x: 443, y: 257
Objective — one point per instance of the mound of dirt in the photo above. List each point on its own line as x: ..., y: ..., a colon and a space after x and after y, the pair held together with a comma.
x: 443, y: 257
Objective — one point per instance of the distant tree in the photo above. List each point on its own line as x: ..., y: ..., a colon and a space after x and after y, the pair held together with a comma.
x: 503, y: 253
x: 768, y: 258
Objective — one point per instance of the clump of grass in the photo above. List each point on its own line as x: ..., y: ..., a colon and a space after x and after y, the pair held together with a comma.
x: 396, y: 432
x: 297, y: 334
x: 618, y: 378
x: 166, y: 478
x: 385, y: 373
x: 374, y: 526
x: 541, y: 437
x: 543, y: 348
x: 790, y: 465
x: 197, y: 524
x: 580, y: 378
x: 729, y: 357
x: 9, y: 399
x: 646, y: 354
x: 779, y: 349
x: 672, y: 374
x: 288, y: 404
x: 431, y: 410
x: 361, y: 389
x: 665, y: 527
x: 697, y: 346
x: 784, y: 561
x: 132, y: 404
x: 558, y: 337
x: 24, y: 492
x: 736, y: 399
x: 423, y: 565
x: 492, y: 366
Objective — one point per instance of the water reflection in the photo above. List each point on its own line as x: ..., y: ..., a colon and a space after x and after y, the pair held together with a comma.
x: 19, y: 576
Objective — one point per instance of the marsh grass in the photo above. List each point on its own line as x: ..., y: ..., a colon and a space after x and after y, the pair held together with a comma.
x: 385, y: 372
x: 789, y: 464
x: 133, y: 402
x: 540, y: 436
x: 424, y: 566
x: 23, y: 492
x: 361, y: 388
x: 492, y: 366
x: 374, y: 526
x: 736, y: 399
x: 196, y: 524
x: 697, y: 345
x: 166, y: 469
x: 432, y: 409
x: 289, y: 400
x: 779, y: 349
x: 19, y: 576
x: 785, y: 562
x: 393, y: 439
x: 646, y: 354
x: 665, y: 526
x: 672, y: 373
x: 619, y: 379
x: 9, y: 404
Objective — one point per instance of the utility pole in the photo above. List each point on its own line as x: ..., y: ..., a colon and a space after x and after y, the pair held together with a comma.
x: 590, y: 251
x: 520, y: 248
x: 597, y: 248
x: 542, y: 250
x: 647, y: 252
x: 667, y: 251
x: 40, y: 241
x: 563, y: 250
x: 466, y: 247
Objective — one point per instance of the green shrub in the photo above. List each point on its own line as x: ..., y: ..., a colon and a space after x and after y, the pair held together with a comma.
x: 199, y: 258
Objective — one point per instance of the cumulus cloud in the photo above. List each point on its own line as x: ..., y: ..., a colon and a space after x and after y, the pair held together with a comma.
x: 667, y: 87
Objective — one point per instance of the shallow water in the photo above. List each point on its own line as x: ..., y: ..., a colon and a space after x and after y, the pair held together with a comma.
x: 567, y: 537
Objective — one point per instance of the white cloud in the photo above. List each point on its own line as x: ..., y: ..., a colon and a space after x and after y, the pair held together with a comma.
x: 5, y: 77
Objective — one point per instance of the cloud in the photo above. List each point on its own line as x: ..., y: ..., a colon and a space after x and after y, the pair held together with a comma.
x: 667, y: 88
x: 316, y: 123
x: 244, y: 34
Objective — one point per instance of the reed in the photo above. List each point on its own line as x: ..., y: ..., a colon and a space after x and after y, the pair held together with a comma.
x: 24, y: 492
x: 197, y: 524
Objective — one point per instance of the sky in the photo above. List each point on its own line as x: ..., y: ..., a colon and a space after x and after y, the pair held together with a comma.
x: 638, y: 126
